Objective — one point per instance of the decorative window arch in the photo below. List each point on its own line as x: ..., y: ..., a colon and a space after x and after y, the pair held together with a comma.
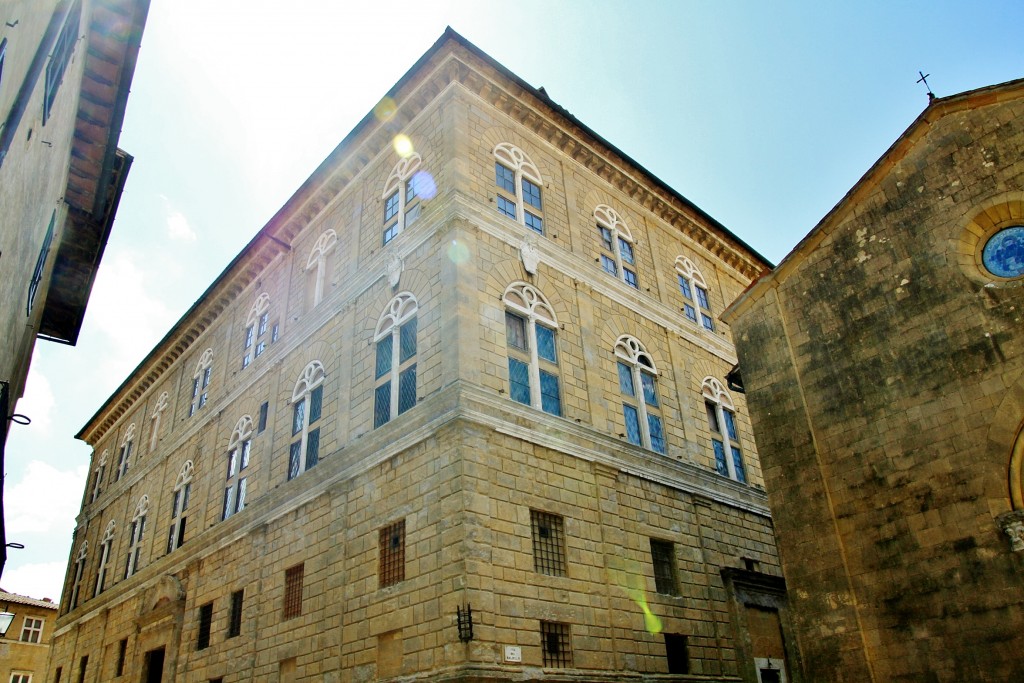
x: 517, y: 177
x: 395, y: 366
x: 239, y: 447
x: 154, y: 428
x: 105, y: 546
x: 725, y: 439
x: 201, y: 382
x: 318, y: 265
x: 307, y: 402
x: 101, y: 471
x: 135, y: 538
x: 125, y: 454
x: 401, y: 196
x: 256, y: 327
x: 531, y: 337
x: 617, y: 256
x: 641, y: 409
x: 695, y: 293
x: 79, y: 574
x: 179, y: 506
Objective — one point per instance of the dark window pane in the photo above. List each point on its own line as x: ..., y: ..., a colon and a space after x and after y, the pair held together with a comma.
x: 606, y: 237
x: 657, y: 436
x: 684, y: 287
x: 515, y: 331
x: 235, y: 620
x: 293, y: 459
x: 505, y: 178
x: 205, y: 620
x: 298, y: 416
x: 737, y: 463
x: 535, y: 223
x: 632, y: 424
x: 548, y: 533
x: 506, y: 207
x: 730, y: 424
x: 391, y: 207
x: 664, y: 560
x: 293, y: 591
x: 243, y: 461
x: 382, y: 405
x: 678, y: 659
x: 407, y: 341
x: 626, y: 251
x: 410, y: 189
x: 550, y: 401
x: 316, y: 402
x: 391, y: 546
x: 712, y: 412
x: 690, y: 311
x: 556, y: 644
x: 229, y: 502
x: 546, y: 343
x: 531, y: 194
x: 390, y: 232
x: 707, y: 322
x: 519, y: 381
x: 702, y: 297
x: 407, y: 389
x: 264, y: 410
x: 650, y: 394
x: 384, y: 353
x: 608, y: 263
x: 312, y: 448
x: 630, y: 277
x: 626, y: 380
x: 720, y: 465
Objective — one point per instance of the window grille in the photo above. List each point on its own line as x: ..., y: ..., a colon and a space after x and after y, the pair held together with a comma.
x: 235, y: 620
x: 205, y: 622
x: 293, y: 591
x: 548, y: 543
x: 663, y: 557
x: 557, y: 645
x: 392, y: 554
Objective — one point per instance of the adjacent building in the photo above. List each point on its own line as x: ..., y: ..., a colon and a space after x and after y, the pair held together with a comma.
x: 884, y: 367
x: 459, y: 410
x: 25, y: 646
x: 65, y: 71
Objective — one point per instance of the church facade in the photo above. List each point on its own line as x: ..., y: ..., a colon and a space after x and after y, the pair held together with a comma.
x: 884, y: 365
x: 458, y: 411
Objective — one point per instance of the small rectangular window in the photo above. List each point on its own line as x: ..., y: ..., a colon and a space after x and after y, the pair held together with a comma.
x: 407, y: 341
x: 316, y: 402
x: 391, y: 207
x: 676, y: 654
x: 293, y: 591
x: 235, y: 619
x: 626, y: 251
x: 392, y: 554
x: 31, y: 630
x: 122, y: 651
x: 298, y: 416
x: 546, y: 343
x: 713, y: 425
x: 684, y: 287
x: 626, y: 380
x: 83, y: 664
x: 730, y: 424
x: 606, y: 237
x: 535, y: 223
x: 390, y: 232
x: 57, y: 675
x: 702, y: 297
x: 608, y: 263
x: 21, y: 678
x: 264, y: 319
x: 382, y: 405
x: 663, y: 556
x: 690, y: 312
x: 720, y: 465
x: 650, y: 394
x: 205, y: 622
x: 515, y: 331
x: 385, y: 350
x: 312, y: 448
x: 293, y: 459
x: 630, y: 277
x: 550, y: 398
x: 737, y: 463
x: 707, y: 322
x: 548, y: 543
x: 555, y: 640
x: 632, y: 418
x: 407, y: 389
x: 657, y: 434
x: 264, y: 410
x: 505, y: 178
x: 531, y: 194
x: 275, y: 332
x: 249, y: 332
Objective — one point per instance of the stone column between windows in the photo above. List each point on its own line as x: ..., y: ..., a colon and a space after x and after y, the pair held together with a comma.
x: 703, y: 519
x: 613, y: 540
x: 534, y: 368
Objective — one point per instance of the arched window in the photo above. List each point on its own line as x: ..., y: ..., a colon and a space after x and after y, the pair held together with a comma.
x: 307, y: 401
x: 401, y: 195
x: 640, y: 407
x: 617, y: 257
x: 105, y: 545
x: 135, y: 539
x: 179, y: 506
x: 395, y: 375
x: 530, y: 334
x: 256, y: 328
x: 514, y: 172
x: 125, y: 454
x: 725, y: 438
x: 154, y: 428
x: 101, y: 472
x: 695, y: 292
x: 201, y: 382
x: 238, y: 463
x: 79, y: 574
x: 318, y: 265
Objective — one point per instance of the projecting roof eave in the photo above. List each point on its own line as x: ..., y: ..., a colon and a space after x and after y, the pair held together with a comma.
x: 307, y: 191
x: 97, y: 169
x: 25, y: 600
x: 936, y: 109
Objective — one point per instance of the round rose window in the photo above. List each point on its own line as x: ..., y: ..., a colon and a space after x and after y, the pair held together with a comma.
x: 1003, y: 254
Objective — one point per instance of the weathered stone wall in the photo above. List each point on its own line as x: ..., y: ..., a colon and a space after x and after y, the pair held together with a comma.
x: 884, y: 372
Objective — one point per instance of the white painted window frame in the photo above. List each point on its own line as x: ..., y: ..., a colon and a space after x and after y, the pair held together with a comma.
x: 630, y: 350
x: 528, y: 301
x: 316, y: 264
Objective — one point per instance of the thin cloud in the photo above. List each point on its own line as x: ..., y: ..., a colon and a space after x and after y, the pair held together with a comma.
x: 39, y: 580
x: 45, y: 500
x: 38, y: 402
x: 178, y: 228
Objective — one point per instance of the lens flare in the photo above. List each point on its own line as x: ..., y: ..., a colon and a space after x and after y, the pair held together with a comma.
x: 458, y: 252
x: 385, y: 109
x: 631, y: 581
x: 403, y: 145
x: 424, y: 185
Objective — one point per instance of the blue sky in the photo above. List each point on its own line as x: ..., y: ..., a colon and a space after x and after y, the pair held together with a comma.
x: 763, y: 114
